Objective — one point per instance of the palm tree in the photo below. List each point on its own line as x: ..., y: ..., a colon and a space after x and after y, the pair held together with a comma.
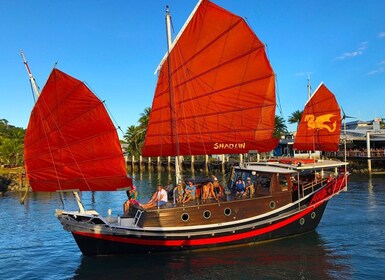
x: 295, y: 117
x: 280, y: 128
x: 144, y: 118
x: 134, y: 140
x: 135, y: 135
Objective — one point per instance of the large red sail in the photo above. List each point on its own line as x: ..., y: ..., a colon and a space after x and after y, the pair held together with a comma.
x: 71, y: 143
x: 320, y: 125
x: 215, y: 92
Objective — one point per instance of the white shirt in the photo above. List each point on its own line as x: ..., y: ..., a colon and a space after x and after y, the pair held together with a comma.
x: 164, y: 193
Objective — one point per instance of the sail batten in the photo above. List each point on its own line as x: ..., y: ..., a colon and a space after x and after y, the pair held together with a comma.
x: 320, y: 125
x: 216, y: 94
x: 71, y: 142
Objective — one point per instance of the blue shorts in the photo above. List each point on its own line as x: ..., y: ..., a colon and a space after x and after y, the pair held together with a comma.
x: 160, y: 203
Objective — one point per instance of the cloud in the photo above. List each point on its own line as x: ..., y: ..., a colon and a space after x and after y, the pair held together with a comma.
x: 376, y: 71
x: 380, y: 69
x: 359, y: 51
x: 301, y: 74
x: 381, y: 35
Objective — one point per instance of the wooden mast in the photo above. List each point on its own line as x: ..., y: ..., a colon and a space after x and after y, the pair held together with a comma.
x: 174, y: 132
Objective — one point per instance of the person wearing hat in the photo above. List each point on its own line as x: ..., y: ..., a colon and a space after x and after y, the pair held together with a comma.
x: 250, y: 190
x: 158, y: 199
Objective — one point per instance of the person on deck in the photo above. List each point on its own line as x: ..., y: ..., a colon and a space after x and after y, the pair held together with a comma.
x: 158, y: 199
x: 240, y: 187
x: 169, y: 189
x: 218, y: 189
x: 130, y: 201
x: 189, y: 193
x: 249, y: 188
x: 133, y: 192
x: 178, y: 193
x: 208, y: 191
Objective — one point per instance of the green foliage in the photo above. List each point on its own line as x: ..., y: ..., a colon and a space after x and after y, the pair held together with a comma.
x: 11, y: 144
x: 136, y: 134
x: 295, y: 117
x: 280, y: 128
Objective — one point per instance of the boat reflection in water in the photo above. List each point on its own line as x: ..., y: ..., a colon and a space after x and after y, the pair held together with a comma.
x: 302, y: 257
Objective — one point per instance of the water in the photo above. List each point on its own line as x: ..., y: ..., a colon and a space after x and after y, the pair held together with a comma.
x: 348, y: 243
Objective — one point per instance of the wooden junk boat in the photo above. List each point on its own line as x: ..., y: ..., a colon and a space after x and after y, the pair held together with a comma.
x: 215, y: 95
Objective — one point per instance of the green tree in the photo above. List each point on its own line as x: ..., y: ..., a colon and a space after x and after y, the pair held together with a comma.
x: 11, y: 151
x: 295, y: 117
x: 134, y: 140
x: 135, y: 135
x: 280, y: 128
x: 11, y: 143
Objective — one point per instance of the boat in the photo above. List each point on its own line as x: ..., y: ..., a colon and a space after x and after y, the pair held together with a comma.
x: 215, y: 95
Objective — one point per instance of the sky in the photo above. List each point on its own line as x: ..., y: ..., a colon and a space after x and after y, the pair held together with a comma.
x: 115, y: 47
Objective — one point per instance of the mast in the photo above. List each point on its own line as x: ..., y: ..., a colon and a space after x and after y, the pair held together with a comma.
x: 34, y: 86
x: 174, y: 132
x: 308, y: 87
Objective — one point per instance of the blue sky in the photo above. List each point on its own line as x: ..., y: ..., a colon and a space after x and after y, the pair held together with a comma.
x: 115, y: 46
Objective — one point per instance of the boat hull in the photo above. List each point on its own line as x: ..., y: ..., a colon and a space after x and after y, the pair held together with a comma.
x: 91, y: 243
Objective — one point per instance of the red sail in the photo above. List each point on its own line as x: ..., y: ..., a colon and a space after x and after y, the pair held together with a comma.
x: 222, y: 94
x: 71, y: 143
x: 320, y: 125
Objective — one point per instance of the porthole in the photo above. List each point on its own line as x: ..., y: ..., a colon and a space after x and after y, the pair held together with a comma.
x: 312, y: 215
x: 272, y: 204
x: 227, y: 211
x: 207, y: 214
x: 302, y: 221
x: 185, y: 217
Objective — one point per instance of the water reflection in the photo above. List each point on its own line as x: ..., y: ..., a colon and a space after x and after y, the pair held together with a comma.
x: 301, y: 257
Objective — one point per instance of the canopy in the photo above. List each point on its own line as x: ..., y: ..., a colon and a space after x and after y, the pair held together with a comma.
x: 215, y: 92
x: 71, y: 143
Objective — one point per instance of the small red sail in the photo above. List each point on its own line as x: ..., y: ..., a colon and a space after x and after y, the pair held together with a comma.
x: 320, y: 125
x: 215, y: 92
x: 71, y: 142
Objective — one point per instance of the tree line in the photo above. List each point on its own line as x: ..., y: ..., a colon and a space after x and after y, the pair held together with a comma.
x: 11, y: 144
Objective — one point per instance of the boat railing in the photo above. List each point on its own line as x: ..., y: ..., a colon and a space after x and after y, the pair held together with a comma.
x: 312, y: 186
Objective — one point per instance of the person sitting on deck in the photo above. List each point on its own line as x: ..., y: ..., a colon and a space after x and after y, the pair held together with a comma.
x: 218, y: 189
x: 169, y: 189
x: 158, y: 199
x: 249, y: 188
x: 178, y: 193
x: 208, y: 191
x: 130, y: 201
x: 240, y: 187
x: 133, y: 192
x: 189, y: 193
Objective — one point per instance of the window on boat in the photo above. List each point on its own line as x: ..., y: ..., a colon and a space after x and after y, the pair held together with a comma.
x: 284, y: 180
x: 262, y: 183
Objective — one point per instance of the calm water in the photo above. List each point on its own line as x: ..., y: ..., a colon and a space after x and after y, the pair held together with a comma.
x: 349, y: 243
